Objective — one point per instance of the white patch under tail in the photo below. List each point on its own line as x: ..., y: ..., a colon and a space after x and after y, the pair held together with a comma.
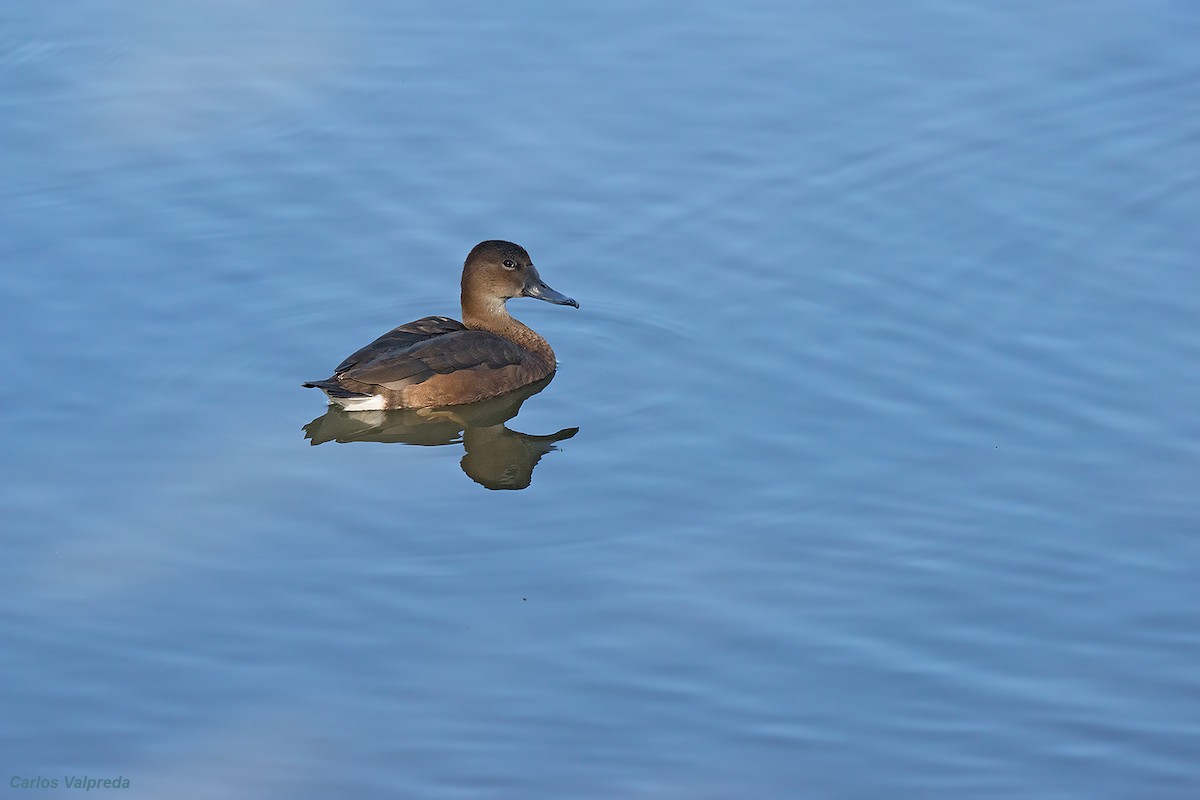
x: 373, y: 403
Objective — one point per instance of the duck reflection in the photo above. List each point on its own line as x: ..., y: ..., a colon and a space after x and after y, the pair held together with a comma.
x: 496, y: 457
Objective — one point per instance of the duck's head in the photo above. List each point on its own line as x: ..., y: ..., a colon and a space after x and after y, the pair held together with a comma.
x: 496, y: 271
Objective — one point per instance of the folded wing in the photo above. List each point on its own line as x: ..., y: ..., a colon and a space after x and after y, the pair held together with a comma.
x: 400, y: 338
x: 415, y: 352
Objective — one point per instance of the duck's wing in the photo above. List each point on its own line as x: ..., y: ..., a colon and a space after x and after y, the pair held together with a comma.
x: 395, y: 367
x: 400, y: 338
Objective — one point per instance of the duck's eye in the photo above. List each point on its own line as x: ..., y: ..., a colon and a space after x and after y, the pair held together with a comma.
x: 508, y: 264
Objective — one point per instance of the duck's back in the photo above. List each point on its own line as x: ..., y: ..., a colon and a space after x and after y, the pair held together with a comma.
x: 433, y: 361
x: 399, y: 339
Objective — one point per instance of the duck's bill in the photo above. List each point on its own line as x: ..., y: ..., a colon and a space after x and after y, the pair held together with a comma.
x: 538, y: 290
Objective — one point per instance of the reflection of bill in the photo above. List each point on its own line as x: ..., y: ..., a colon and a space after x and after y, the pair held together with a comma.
x: 496, y: 457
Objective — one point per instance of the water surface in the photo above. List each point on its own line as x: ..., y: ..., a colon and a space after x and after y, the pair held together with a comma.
x: 885, y: 382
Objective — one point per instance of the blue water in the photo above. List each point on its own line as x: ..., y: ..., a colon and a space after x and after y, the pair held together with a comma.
x: 885, y: 375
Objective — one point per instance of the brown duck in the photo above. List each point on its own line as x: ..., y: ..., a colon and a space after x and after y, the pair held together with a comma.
x: 438, y: 361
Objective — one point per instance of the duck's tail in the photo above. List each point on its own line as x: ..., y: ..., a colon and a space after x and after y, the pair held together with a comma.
x: 334, y: 389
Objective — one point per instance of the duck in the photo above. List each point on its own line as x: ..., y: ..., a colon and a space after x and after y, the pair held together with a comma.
x: 438, y: 361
